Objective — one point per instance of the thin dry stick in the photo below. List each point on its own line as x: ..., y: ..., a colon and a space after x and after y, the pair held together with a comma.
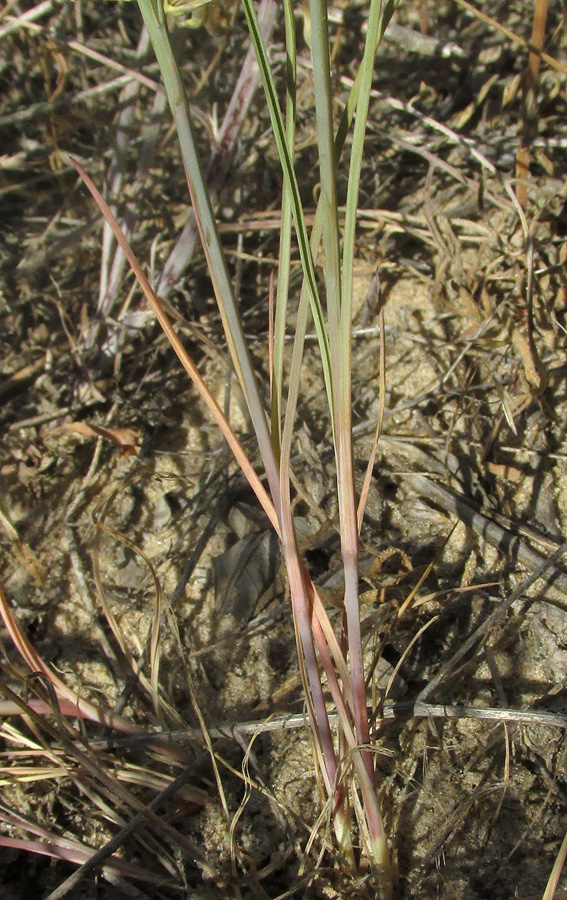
x: 510, y: 544
x: 407, y: 709
x: 541, y: 572
x: 515, y: 38
x: 551, y: 887
x: 119, y: 839
x: 77, y: 47
x: 36, y: 12
x: 528, y: 124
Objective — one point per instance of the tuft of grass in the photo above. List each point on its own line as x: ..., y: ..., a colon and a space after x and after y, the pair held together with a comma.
x: 496, y: 265
x: 346, y: 762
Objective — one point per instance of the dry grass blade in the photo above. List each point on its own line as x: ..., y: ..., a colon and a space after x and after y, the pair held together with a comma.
x: 68, y: 703
x: 528, y: 126
x: 82, y: 856
x: 151, y: 685
x: 551, y: 888
x: 36, y: 664
x: 182, y: 355
x: 78, y: 47
x: 504, y: 540
x: 98, y: 857
x: 515, y: 38
x: 102, y: 787
x: 218, y: 168
x: 542, y: 571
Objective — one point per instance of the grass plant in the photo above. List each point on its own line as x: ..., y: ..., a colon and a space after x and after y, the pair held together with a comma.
x: 346, y: 760
x: 113, y: 734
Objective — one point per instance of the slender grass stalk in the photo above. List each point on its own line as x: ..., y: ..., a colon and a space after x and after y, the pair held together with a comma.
x: 553, y: 881
x: 286, y: 160
x: 285, y: 236
x: 155, y: 21
x: 338, y: 325
x: 321, y: 59
x: 194, y: 374
x: 68, y: 702
x: 349, y: 527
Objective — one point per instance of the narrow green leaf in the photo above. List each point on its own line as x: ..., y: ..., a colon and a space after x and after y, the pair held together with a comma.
x: 285, y: 237
x: 295, y: 199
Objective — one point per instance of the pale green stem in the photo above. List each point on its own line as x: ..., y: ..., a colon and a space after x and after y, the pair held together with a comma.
x: 157, y: 27
x: 345, y: 469
x: 339, y: 341
x: 285, y: 236
x: 378, y: 18
x: 295, y: 199
x: 377, y: 840
x: 327, y: 164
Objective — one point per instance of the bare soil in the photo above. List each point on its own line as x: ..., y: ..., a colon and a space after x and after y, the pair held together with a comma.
x: 154, y: 526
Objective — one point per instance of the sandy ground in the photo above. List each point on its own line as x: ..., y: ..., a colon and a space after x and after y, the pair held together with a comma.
x: 110, y: 534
